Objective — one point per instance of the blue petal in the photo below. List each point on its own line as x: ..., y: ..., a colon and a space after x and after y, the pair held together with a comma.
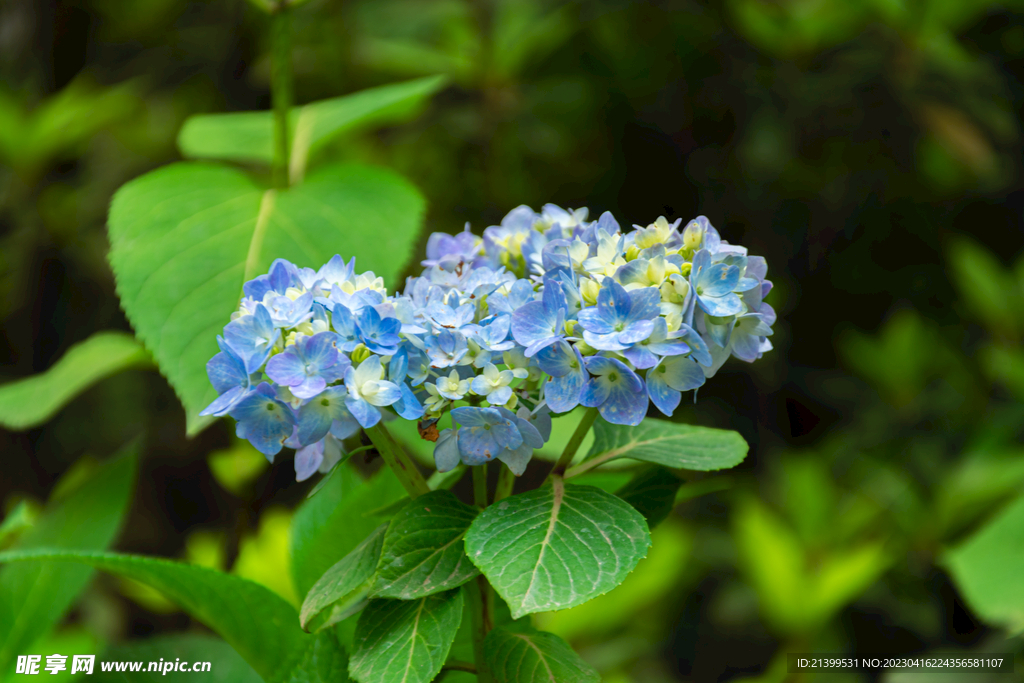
x: 364, y: 413
x: 317, y: 415
x: 531, y: 435
x: 625, y: 405
x: 308, y: 459
x: 641, y: 356
x: 446, y: 451
x: 321, y: 350
x: 223, y: 404
x: 477, y: 446
x: 636, y: 332
x: 644, y: 303
x: 563, y: 393
x: 408, y: 406
x: 681, y: 373
x: 226, y: 370
x: 468, y: 416
x: 558, y: 360
x: 309, y: 387
x: 593, y: 319
x: 517, y: 459
x: 720, y: 307
x: 287, y: 368
x: 664, y: 397
x: 595, y: 392
x: 718, y: 280
x: 614, y: 300
x: 697, y: 343
x: 604, y: 342
x: 265, y: 421
x: 531, y: 323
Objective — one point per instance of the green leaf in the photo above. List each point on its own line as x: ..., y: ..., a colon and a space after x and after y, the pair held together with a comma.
x: 344, y: 589
x: 331, y: 524
x: 664, y: 443
x: 226, y: 666
x: 405, y: 640
x: 259, y: 624
x: 324, y: 661
x: 987, y: 568
x: 423, y: 549
x: 524, y: 655
x: 30, y: 402
x: 987, y: 288
x: 249, y: 136
x: 557, y: 546
x: 184, y: 238
x: 652, y: 492
x: 34, y: 596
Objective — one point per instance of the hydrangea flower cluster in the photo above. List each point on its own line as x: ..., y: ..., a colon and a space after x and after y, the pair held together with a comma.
x: 546, y: 312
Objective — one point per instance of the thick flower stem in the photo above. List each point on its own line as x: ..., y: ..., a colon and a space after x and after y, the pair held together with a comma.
x: 506, y: 481
x: 398, y: 461
x: 281, y: 89
x: 574, y: 442
x: 478, y: 591
x: 480, y: 485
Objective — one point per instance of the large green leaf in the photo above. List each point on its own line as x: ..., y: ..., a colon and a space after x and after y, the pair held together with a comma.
x: 652, y: 492
x: 987, y: 568
x: 184, y: 238
x: 226, y: 666
x: 664, y: 443
x: 405, y: 640
x: 32, y: 401
x: 258, y: 623
x: 249, y: 136
x: 34, y: 596
x: 423, y: 549
x: 333, y: 522
x: 344, y: 589
x: 525, y: 655
x: 557, y: 546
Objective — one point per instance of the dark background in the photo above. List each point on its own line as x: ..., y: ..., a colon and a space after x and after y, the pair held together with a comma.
x: 854, y: 143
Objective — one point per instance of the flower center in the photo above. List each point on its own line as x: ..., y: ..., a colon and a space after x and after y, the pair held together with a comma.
x: 612, y: 376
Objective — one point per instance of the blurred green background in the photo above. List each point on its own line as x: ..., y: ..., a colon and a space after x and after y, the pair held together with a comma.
x: 870, y: 149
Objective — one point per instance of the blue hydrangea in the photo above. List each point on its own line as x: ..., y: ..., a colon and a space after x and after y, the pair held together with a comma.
x: 545, y: 312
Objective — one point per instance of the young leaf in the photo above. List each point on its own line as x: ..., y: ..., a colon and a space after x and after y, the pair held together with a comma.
x: 184, y: 238
x: 34, y: 596
x: 423, y: 549
x: 331, y: 524
x: 343, y: 590
x: 258, y: 623
x: 405, y: 640
x: 664, y: 443
x: 987, y: 568
x: 249, y: 136
x: 557, y: 546
x: 524, y: 655
x: 652, y: 492
x: 30, y: 402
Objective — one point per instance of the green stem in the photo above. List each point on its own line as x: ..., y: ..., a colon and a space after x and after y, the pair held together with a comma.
x: 398, y: 461
x: 480, y: 485
x: 574, y: 442
x: 281, y: 89
x: 478, y: 591
x: 506, y: 481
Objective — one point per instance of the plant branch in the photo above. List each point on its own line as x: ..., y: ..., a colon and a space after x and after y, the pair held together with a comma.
x: 506, y: 482
x: 394, y: 455
x: 281, y: 88
x: 574, y: 442
x: 456, y: 665
x: 480, y: 485
x: 478, y: 591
